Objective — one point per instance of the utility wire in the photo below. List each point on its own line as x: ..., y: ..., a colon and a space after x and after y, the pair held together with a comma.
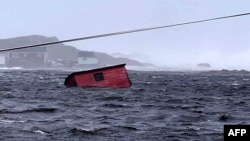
x: 123, y: 32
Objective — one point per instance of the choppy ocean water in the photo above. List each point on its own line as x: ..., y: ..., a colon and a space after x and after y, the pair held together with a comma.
x: 35, y: 105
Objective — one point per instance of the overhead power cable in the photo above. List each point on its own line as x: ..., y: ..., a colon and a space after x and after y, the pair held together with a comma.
x: 123, y: 32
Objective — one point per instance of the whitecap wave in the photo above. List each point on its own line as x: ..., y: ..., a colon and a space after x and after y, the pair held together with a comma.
x: 39, y: 132
x: 10, y: 121
x: 12, y: 68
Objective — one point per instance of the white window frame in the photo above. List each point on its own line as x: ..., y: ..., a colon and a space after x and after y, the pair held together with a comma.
x: 39, y: 54
x: 15, y: 55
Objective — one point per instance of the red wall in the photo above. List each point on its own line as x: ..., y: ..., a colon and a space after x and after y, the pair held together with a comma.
x: 113, y: 77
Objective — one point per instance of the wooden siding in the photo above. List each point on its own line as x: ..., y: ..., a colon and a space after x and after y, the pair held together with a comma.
x: 26, y: 59
x: 115, y: 77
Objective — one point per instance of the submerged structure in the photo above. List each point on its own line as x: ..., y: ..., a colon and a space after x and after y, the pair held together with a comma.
x: 111, y: 77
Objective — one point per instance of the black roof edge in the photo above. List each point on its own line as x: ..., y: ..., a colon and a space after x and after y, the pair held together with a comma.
x: 98, y: 69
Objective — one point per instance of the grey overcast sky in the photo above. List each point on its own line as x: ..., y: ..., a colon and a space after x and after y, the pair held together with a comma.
x: 223, y: 43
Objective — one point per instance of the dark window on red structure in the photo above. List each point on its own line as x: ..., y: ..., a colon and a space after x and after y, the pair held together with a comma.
x: 99, y: 76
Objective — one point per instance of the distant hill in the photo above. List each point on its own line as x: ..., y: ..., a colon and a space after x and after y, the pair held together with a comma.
x: 64, y: 52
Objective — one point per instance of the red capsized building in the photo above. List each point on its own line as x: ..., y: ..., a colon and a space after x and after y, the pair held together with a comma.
x: 111, y: 76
